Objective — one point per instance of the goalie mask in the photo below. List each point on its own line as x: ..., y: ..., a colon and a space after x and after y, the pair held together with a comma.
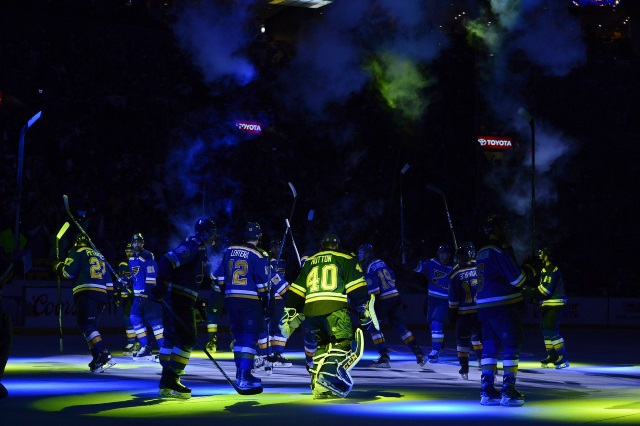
x: 330, y: 241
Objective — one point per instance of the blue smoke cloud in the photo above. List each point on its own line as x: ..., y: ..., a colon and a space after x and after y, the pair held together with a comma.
x: 328, y: 68
x: 213, y: 33
x: 196, y: 175
x: 549, y: 38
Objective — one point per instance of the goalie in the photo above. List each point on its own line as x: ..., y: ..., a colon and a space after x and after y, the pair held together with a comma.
x: 329, y: 281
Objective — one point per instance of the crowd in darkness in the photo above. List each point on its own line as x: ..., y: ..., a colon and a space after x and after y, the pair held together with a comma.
x: 114, y: 93
x: 106, y: 118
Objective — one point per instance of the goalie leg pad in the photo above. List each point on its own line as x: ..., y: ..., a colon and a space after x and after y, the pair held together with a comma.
x: 331, y: 369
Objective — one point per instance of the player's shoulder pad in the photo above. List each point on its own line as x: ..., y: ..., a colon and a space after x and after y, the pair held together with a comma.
x: 146, y: 255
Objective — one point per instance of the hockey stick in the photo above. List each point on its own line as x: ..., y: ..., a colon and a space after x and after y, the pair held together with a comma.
x: 284, y: 237
x: 525, y: 114
x: 295, y: 247
x: 252, y: 391
x: 82, y: 231
x: 58, y: 238
x: 446, y: 209
x: 295, y: 196
x: 402, y: 245
x: 281, y: 249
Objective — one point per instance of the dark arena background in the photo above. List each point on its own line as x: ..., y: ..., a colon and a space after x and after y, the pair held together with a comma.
x: 400, y: 123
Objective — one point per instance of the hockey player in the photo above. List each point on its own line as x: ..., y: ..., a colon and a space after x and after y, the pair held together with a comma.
x: 181, y: 272
x: 499, y: 301
x: 437, y: 271
x: 124, y: 297
x: 329, y: 282
x: 244, y: 275
x: 92, y: 286
x: 381, y: 282
x: 552, y: 302
x: 279, y: 286
x: 462, y: 306
x: 215, y: 303
x: 144, y: 271
x: 271, y: 343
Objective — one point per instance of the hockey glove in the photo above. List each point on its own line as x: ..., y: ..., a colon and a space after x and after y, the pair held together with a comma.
x: 289, y: 322
x: 367, y: 314
x: 158, y: 292
x: 364, y: 316
x: 57, y: 268
x: 117, y: 296
x: 201, y: 308
x: 531, y: 267
x: 531, y: 294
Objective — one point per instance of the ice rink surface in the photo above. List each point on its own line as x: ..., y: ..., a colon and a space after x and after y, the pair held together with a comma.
x: 602, y: 386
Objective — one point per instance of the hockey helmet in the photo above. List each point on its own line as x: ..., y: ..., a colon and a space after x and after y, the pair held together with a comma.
x: 274, y: 247
x: 493, y: 222
x: 137, y: 237
x: 544, y: 253
x: 206, y: 230
x: 444, y: 253
x: 365, y: 252
x: 82, y: 240
x: 253, y: 231
x: 128, y: 247
x: 472, y: 248
x: 464, y: 255
x: 330, y: 241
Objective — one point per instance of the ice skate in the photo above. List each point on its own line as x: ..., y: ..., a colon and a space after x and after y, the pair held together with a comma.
x: 464, y: 371
x: 546, y: 363
x: 278, y: 360
x: 102, y: 362
x: 489, y: 395
x: 171, y: 387
x: 510, y: 397
x: 128, y: 350
x: 247, y: 381
x: 561, y: 363
x: 212, y: 344
x: 144, y: 354
x: 420, y: 358
x: 434, y: 356
x: 383, y: 361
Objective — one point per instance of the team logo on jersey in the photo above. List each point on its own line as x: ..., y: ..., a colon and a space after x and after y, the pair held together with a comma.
x: 135, y: 270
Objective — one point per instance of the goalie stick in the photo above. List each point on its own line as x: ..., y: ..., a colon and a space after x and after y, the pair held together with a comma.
x: 252, y: 391
x: 82, y: 231
x: 59, y: 235
x: 446, y: 209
